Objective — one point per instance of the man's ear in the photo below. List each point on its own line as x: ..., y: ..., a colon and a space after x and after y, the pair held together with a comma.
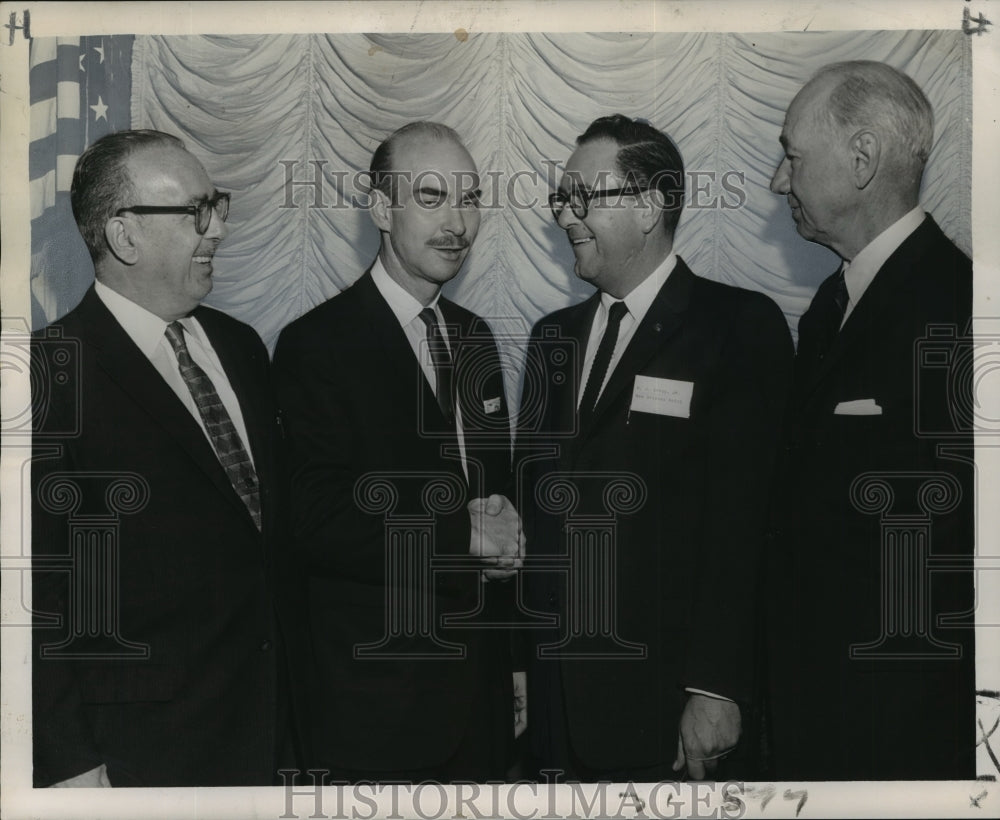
x: 865, y: 151
x: 381, y: 210
x: 650, y: 209
x: 121, y: 240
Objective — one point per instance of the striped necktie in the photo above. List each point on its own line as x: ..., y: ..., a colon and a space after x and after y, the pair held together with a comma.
x: 221, y: 431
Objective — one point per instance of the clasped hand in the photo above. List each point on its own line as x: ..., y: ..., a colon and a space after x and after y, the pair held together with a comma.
x: 497, y: 537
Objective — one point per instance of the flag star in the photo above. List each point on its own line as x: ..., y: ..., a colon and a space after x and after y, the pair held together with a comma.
x: 100, y: 110
x: 81, y: 62
x: 100, y: 50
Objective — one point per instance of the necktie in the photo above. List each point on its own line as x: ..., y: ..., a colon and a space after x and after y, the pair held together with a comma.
x: 442, y: 362
x: 225, y: 440
x: 599, y: 369
x: 834, y: 312
x: 840, y: 295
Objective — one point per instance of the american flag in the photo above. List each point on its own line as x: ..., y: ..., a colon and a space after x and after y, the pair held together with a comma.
x: 81, y: 89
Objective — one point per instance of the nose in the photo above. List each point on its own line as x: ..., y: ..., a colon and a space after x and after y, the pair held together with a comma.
x: 454, y: 220
x: 217, y: 229
x: 779, y: 182
x: 566, y: 218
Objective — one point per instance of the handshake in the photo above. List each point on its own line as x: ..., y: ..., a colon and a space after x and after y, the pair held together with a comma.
x: 497, y: 536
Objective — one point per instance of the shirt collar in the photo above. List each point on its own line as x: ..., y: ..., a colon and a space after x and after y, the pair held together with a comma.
x: 403, y: 305
x: 641, y: 297
x: 146, y: 329
x: 860, y: 271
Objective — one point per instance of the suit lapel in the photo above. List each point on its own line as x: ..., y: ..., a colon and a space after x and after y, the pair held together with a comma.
x: 405, y: 370
x: 125, y: 364
x: 661, y: 321
x: 879, y: 298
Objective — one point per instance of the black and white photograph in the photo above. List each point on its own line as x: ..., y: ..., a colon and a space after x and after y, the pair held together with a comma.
x: 552, y: 409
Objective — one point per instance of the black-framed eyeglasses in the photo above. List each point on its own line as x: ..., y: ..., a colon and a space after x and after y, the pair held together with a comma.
x: 579, y: 199
x: 202, y: 212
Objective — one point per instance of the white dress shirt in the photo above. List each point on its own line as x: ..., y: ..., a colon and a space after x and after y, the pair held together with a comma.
x: 407, y: 309
x: 638, y: 302
x: 860, y: 271
x: 148, y: 331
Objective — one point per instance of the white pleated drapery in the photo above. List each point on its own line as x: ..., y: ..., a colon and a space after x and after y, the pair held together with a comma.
x: 255, y: 109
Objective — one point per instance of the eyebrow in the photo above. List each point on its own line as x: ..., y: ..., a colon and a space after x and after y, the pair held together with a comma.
x: 476, y: 193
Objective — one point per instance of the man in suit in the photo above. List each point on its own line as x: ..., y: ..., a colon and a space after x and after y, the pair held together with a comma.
x: 400, y: 446
x: 872, y: 667
x: 665, y: 424
x: 154, y: 511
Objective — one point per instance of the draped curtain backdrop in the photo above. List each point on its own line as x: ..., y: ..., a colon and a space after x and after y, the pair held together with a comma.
x: 260, y: 110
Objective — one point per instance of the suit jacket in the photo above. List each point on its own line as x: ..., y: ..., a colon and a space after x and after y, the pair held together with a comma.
x: 686, y: 494
x: 863, y: 684
x: 176, y: 682
x: 368, y: 444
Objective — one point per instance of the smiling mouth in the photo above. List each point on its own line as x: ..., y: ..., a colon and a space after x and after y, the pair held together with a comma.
x: 202, y: 260
x: 581, y: 240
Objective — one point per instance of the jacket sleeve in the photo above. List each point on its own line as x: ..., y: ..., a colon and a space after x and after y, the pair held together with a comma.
x: 331, y: 531
x: 64, y: 744
x: 745, y: 427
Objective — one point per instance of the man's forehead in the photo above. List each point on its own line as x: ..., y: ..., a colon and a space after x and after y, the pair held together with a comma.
x: 433, y: 162
x: 168, y: 168
x: 591, y: 163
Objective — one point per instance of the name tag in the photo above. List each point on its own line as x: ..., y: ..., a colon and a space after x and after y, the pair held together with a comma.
x: 491, y: 405
x: 664, y: 397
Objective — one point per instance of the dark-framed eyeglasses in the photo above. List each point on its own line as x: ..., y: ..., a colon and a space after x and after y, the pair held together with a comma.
x: 202, y: 212
x: 579, y: 199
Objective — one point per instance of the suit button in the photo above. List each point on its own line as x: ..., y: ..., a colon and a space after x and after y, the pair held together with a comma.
x: 265, y: 646
x: 553, y: 599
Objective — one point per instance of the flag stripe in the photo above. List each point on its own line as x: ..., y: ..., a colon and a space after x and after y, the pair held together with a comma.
x: 42, y: 193
x: 68, y: 60
x: 65, y: 163
x: 43, y: 50
x: 66, y: 139
x: 42, y: 79
x: 68, y: 97
x: 43, y: 118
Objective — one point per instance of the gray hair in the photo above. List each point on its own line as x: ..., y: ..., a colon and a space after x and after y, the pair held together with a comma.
x: 101, y: 182
x: 871, y: 94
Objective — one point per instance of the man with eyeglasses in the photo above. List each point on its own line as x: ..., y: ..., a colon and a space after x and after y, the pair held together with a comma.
x: 674, y: 401
x: 156, y: 642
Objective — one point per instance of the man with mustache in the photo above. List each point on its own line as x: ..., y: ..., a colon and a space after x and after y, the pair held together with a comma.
x: 872, y: 666
x: 155, y: 508
x: 675, y: 400
x: 395, y: 411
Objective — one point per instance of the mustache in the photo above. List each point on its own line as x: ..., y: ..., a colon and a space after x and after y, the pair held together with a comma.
x: 458, y: 243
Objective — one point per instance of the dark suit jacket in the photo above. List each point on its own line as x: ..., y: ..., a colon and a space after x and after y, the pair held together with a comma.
x: 357, y: 406
x: 179, y: 685
x: 867, y: 717
x: 689, y: 521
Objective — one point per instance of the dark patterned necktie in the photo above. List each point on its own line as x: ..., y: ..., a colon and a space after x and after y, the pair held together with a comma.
x: 221, y: 431
x: 442, y: 362
x: 599, y: 369
x: 834, y: 313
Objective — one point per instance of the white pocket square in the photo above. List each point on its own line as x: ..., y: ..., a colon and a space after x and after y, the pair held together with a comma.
x: 491, y: 405
x: 858, y: 407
